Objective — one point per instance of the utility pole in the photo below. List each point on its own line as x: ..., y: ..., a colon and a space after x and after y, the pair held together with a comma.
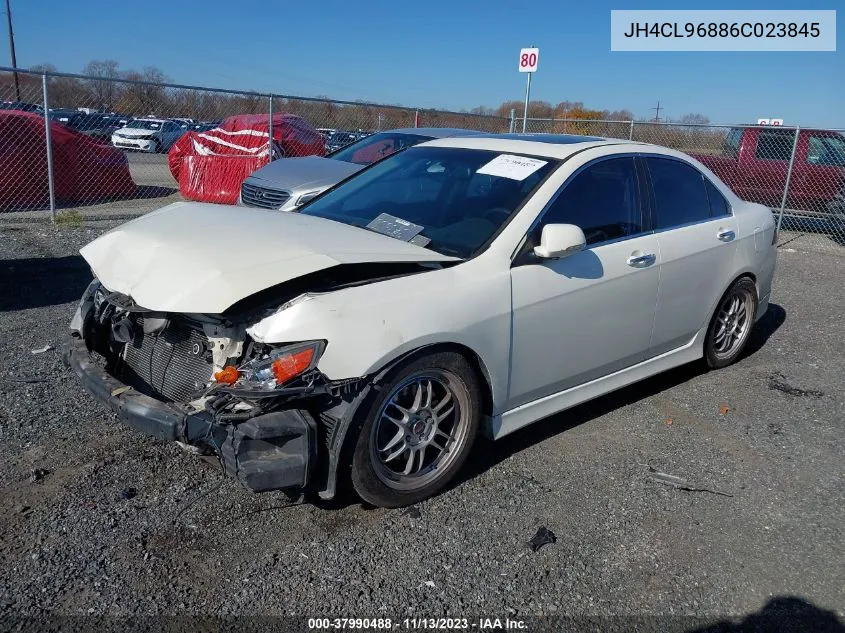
x: 12, y: 47
x: 657, y: 113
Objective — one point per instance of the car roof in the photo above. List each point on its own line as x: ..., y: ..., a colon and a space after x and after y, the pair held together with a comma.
x: 434, y: 132
x: 549, y: 145
x: 150, y: 119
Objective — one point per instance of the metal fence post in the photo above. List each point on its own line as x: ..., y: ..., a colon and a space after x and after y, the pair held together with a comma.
x: 513, y: 120
x: 48, y: 138
x: 631, y: 131
x: 270, y: 131
x: 527, y: 96
x: 788, y: 177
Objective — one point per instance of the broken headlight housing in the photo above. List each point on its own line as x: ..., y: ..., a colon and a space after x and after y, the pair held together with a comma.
x: 274, y: 368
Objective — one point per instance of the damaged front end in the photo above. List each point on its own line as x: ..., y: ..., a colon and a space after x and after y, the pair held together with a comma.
x: 201, y: 381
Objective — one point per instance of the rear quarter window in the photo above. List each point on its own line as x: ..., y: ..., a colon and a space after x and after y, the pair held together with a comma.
x: 718, y: 204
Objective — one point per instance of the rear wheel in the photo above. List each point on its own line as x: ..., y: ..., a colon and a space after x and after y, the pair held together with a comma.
x: 731, y: 325
x: 418, y: 431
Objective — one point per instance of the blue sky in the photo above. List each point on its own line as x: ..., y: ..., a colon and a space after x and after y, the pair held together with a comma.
x: 456, y: 54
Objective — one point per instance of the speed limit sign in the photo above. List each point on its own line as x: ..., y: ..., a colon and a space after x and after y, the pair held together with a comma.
x: 528, y: 58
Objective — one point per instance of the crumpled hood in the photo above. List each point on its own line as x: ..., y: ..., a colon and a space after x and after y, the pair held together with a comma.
x: 193, y: 257
x: 309, y: 172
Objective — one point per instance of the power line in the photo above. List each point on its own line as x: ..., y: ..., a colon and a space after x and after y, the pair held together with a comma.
x: 12, y: 48
x: 657, y: 112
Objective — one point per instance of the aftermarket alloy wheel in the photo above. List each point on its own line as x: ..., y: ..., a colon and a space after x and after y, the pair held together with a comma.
x: 731, y: 325
x: 418, y: 431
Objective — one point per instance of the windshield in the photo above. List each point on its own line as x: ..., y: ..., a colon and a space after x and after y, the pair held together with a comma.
x: 340, y: 138
x: 144, y: 125
x: 372, y: 148
x: 87, y: 121
x: 451, y: 200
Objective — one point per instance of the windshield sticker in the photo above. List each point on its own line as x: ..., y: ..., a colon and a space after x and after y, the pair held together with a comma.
x: 510, y: 166
x: 421, y: 240
x: 387, y: 224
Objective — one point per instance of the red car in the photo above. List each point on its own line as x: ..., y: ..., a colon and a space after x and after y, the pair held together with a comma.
x: 211, y: 165
x: 756, y: 163
x: 83, y: 169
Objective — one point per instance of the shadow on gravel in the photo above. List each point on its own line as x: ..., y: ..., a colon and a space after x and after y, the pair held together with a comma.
x: 142, y: 192
x: 37, y: 282
x: 488, y: 454
x: 784, y: 614
x: 764, y: 328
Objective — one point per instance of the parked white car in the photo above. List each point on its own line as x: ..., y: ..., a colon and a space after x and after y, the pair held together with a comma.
x: 148, y: 135
x: 290, y: 182
x: 464, y: 285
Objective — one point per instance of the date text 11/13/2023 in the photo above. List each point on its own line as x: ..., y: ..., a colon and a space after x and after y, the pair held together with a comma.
x: 415, y: 624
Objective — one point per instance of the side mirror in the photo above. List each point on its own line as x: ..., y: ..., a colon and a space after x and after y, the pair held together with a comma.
x: 560, y: 240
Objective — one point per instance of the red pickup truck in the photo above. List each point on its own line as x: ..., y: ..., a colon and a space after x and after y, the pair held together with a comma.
x: 755, y: 161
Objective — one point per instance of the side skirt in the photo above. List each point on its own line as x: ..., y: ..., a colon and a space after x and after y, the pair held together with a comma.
x: 510, y: 421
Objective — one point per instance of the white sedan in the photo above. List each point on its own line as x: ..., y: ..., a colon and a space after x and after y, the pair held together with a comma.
x: 464, y: 285
x: 148, y: 135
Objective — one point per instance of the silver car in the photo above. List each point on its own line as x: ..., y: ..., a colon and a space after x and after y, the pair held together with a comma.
x: 289, y: 183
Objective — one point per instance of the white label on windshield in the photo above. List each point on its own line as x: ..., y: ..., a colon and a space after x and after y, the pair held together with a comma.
x: 510, y: 166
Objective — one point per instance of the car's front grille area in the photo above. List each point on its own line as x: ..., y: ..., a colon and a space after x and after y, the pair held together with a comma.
x: 173, y: 364
x: 254, y: 196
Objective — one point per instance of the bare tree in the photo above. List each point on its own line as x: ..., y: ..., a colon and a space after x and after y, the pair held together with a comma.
x: 65, y: 92
x: 103, y: 94
x: 694, y: 118
x: 148, y: 98
x: 44, y: 68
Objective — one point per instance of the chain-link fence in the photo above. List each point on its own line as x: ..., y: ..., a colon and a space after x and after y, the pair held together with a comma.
x: 110, y: 139
x: 798, y: 172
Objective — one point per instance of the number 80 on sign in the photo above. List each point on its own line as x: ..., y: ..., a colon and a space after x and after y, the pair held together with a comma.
x: 528, y: 58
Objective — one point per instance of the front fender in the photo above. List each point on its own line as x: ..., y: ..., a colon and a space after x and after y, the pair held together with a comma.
x: 368, y: 327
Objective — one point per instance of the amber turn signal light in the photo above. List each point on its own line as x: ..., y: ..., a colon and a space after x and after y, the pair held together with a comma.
x: 228, y: 375
x: 291, y: 365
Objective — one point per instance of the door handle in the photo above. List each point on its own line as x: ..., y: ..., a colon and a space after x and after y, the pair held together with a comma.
x: 641, y: 260
x: 726, y: 235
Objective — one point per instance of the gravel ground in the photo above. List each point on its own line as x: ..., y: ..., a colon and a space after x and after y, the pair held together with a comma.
x: 766, y: 432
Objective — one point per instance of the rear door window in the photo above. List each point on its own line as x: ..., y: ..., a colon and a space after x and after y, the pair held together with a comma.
x: 680, y: 193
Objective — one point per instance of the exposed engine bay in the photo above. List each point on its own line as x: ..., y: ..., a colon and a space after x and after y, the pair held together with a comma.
x: 265, y: 410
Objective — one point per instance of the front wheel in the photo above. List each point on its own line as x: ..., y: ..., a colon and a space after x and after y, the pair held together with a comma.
x: 731, y: 325
x: 836, y: 207
x: 418, y: 432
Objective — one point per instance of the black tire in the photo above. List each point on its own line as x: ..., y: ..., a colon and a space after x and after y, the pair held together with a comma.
x: 745, y: 290
x: 157, y: 149
x: 836, y: 207
x: 372, y: 478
